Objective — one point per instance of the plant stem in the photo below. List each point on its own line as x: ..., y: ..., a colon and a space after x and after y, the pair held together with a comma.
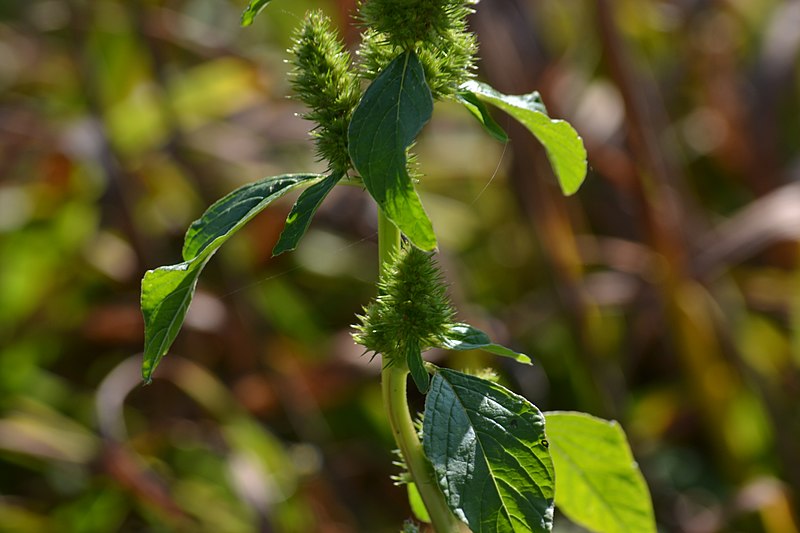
x: 393, y: 381
x: 394, y: 378
x: 388, y: 241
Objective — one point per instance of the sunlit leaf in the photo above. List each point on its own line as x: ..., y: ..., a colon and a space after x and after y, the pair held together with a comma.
x: 488, y: 450
x: 562, y: 143
x: 166, y: 294
x: 302, y: 212
x: 477, y: 108
x: 253, y: 9
x: 167, y: 291
x: 465, y: 337
x: 598, y: 483
x: 391, y: 113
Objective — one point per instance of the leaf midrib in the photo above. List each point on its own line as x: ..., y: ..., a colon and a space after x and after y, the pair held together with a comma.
x: 483, y: 455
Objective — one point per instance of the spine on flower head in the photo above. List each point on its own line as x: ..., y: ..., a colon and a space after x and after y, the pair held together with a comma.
x: 411, y: 309
x: 323, y: 80
x: 435, y: 29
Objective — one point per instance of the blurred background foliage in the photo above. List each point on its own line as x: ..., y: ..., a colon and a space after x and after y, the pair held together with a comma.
x: 666, y: 294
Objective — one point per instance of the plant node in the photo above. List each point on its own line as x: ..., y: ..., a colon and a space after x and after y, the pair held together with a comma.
x: 412, y: 307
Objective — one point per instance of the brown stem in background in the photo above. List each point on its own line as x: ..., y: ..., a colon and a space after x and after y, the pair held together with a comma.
x: 660, y: 188
x: 712, y: 367
x: 514, y: 63
x: 117, y: 199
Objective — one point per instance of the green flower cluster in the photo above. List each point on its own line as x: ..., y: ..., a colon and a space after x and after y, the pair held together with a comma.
x: 412, y: 308
x: 322, y: 79
x: 435, y: 29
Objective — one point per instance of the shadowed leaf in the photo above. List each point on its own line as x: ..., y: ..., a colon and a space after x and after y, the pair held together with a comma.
x: 391, y: 113
x: 302, y: 212
x: 479, y: 110
x: 487, y: 448
x: 167, y: 291
x: 417, y: 367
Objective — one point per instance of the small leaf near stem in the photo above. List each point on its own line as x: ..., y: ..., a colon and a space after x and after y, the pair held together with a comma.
x: 417, y: 367
x: 302, y: 212
x: 463, y: 337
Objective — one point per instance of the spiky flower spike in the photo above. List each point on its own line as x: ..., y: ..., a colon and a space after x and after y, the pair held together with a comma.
x: 322, y: 79
x: 412, y: 310
x: 435, y: 29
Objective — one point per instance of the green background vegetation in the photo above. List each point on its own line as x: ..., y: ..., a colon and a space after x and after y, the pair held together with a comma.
x: 665, y: 294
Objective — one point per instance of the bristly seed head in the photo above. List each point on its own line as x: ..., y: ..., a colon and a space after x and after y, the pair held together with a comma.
x: 435, y: 29
x: 322, y: 79
x: 412, y: 306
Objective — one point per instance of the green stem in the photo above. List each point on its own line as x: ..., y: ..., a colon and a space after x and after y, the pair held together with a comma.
x: 388, y: 241
x: 394, y: 378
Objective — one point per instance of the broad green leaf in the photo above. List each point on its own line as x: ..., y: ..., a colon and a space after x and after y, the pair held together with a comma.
x: 302, y: 212
x: 417, y: 367
x: 477, y: 108
x: 253, y: 9
x: 598, y: 483
x: 391, y: 113
x: 465, y: 337
x: 488, y: 450
x: 562, y: 143
x: 167, y: 291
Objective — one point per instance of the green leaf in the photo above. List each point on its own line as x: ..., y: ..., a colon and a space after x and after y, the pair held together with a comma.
x: 488, y: 450
x: 235, y: 209
x: 391, y: 113
x: 477, y: 108
x: 417, y: 367
x: 562, y: 143
x: 303, y: 211
x: 167, y: 291
x: 166, y: 294
x: 465, y: 337
x: 598, y: 483
x: 253, y: 9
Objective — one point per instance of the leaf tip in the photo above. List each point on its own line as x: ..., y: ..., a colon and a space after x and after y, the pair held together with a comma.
x: 148, y: 367
x: 254, y: 7
x: 280, y: 248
